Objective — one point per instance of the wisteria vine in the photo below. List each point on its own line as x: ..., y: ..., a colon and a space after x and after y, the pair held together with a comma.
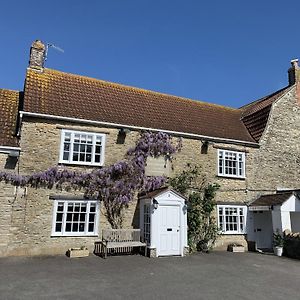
x: 114, y: 185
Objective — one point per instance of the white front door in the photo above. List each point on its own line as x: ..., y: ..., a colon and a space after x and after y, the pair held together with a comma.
x: 263, y: 230
x: 169, y: 230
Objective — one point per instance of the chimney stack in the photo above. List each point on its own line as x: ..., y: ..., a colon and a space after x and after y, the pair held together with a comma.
x: 37, y: 55
x: 294, y: 72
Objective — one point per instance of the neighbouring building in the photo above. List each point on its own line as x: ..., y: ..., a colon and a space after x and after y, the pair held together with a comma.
x: 76, y: 121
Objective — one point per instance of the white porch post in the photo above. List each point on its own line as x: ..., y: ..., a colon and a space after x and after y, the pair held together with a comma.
x: 281, y: 220
x: 286, y: 220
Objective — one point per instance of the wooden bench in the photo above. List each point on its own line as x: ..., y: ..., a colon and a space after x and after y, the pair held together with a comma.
x: 120, y: 238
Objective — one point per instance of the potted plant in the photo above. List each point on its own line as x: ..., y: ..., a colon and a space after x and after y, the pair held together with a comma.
x: 278, y: 243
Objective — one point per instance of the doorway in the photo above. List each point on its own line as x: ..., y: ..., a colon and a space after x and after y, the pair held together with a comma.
x: 169, y: 230
x: 263, y: 230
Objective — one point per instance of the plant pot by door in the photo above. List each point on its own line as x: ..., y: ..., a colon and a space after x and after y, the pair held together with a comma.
x: 278, y: 250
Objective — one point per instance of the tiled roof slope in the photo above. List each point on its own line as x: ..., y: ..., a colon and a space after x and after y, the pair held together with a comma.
x: 273, y: 199
x: 9, y: 102
x: 56, y: 93
x: 255, y: 115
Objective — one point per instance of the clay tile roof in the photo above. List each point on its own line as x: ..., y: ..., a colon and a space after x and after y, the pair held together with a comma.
x: 61, y: 94
x: 255, y: 115
x: 274, y: 199
x: 9, y: 102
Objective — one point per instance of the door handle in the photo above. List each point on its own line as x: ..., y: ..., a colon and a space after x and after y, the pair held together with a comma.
x: 169, y: 229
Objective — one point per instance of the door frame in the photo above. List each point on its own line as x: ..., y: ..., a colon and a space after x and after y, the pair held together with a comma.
x: 180, y: 245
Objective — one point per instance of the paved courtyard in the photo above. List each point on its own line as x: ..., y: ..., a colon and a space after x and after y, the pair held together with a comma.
x: 218, y: 275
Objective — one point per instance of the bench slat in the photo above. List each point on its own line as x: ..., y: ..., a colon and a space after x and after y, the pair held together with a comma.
x: 124, y: 244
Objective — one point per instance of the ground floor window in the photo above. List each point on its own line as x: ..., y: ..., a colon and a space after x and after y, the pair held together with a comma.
x: 147, y: 223
x: 232, y: 219
x: 75, y: 218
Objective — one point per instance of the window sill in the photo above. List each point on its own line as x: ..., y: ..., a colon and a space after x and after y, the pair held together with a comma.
x: 72, y: 235
x: 231, y: 177
x: 80, y: 164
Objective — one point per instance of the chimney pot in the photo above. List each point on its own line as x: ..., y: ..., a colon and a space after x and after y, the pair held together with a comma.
x: 294, y: 63
x: 37, y: 55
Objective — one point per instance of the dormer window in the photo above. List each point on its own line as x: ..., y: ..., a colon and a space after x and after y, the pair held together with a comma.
x: 231, y: 164
x: 82, y: 148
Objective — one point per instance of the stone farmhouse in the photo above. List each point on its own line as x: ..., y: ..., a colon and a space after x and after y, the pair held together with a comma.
x: 252, y: 152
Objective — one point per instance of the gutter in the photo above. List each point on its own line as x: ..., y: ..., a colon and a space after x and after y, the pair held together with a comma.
x: 108, y: 124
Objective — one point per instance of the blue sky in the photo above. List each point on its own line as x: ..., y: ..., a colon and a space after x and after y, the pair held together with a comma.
x: 225, y: 52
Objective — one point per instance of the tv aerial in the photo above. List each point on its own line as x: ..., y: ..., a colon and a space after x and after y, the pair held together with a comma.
x: 48, y: 45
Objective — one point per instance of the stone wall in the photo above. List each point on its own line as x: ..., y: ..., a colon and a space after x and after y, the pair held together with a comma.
x: 276, y: 164
x: 32, y: 210
x: 25, y: 227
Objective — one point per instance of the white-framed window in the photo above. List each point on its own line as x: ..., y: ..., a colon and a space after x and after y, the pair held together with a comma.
x: 147, y: 223
x: 75, y: 218
x: 231, y: 163
x: 82, y: 148
x: 232, y: 218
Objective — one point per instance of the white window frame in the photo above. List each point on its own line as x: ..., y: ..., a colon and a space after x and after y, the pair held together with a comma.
x: 70, y: 160
x: 243, y: 169
x: 83, y: 233
x: 223, y: 228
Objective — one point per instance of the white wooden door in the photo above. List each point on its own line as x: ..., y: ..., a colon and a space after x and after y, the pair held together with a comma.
x: 169, y: 230
x: 263, y: 229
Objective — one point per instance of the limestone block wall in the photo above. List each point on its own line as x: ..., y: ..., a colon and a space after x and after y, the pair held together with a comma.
x: 7, y: 199
x: 27, y: 222
x: 276, y: 164
x: 30, y: 226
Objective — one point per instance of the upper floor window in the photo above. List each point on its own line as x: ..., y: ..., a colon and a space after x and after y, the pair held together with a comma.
x: 75, y: 218
x: 232, y: 219
x: 231, y: 163
x: 82, y: 148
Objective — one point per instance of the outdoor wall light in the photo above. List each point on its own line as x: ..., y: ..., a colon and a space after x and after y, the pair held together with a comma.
x: 155, y: 203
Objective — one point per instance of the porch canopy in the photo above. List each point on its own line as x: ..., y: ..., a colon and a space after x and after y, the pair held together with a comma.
x: 267, y: 202
x: 284, y: 209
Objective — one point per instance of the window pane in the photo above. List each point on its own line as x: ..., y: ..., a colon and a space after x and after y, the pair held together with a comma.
x: 68, y: 227
x: 91, y: 227
x: 92, y: 207
x: 89, y: 149
x: 60, y: 206
x: 81, y: 227
x: 82, y: 217
x: 66, y: 156
x: 59, y: 217
x: 97, y: 158
x: 58, y: 227
x: 92, y: 218
x: 75, y: 227
x: 75, y: 157
x: 75, y: 217
x: 69, y: 217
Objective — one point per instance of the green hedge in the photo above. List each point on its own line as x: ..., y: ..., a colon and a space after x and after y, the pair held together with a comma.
x: 292, y: 245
